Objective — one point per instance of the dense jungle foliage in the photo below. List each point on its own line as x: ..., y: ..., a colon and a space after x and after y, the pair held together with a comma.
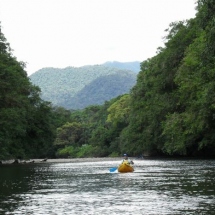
x: 170, y: 110
x: 26, y: 125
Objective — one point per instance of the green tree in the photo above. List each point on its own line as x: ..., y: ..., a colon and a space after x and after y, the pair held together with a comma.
x: 191, y: 131
x: 22, y: 112
x: 155, y: 94
x: 69, y: 134
x: 119, y: 110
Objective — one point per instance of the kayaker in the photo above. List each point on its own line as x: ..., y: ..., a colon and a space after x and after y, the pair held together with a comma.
x: 125, y: 158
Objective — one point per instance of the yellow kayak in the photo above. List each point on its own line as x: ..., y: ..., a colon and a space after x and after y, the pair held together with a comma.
x: 125, y: 167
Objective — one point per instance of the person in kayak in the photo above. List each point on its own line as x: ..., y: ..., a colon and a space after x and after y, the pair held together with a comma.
x: 125, y: 158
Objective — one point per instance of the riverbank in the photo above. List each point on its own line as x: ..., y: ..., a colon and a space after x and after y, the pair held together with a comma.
x: 62, y: 160
x: 77, y: 160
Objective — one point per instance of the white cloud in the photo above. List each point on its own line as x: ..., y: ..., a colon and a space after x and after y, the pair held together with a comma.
x: 55, y: 33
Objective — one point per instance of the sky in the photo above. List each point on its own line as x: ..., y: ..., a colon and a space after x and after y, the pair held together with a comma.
x: 62, y: 33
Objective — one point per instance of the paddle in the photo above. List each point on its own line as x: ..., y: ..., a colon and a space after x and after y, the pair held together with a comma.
x: 113, y: 169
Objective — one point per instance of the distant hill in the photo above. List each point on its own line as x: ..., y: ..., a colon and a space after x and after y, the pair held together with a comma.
x: 133, y: 66
x: 77, y: 88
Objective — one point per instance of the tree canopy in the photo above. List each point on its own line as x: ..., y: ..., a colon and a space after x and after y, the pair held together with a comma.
x: 176, y: 90
x: 25, y: 119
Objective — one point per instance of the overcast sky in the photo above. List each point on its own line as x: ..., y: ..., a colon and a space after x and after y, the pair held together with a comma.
x: 62, y: 33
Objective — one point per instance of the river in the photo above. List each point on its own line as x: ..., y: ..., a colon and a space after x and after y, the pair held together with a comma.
x: 157, y: 186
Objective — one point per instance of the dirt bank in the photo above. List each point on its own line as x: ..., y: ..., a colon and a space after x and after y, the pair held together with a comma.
x: 62, y: 160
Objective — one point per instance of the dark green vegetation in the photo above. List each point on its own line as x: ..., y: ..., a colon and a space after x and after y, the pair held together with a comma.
x: 77, y: 88
x: 173, y: 102
x: 170, y: 110
x: 26, y: 125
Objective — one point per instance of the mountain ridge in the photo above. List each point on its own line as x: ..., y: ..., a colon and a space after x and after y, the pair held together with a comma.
x: 64, y: 87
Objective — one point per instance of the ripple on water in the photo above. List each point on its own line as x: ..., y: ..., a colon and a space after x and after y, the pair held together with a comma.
x: 156, y: 187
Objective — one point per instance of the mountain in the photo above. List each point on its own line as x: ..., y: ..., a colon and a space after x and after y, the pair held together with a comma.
x: 133, y: 66
x: 77, y: 88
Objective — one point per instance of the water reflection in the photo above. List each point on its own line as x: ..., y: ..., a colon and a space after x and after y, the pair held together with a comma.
x: 156, y: 187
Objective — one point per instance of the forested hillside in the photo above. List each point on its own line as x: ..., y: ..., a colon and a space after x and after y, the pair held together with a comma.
x: 177, y: 91
x: 133, y: 66
x: 102, y: 89
x: 75, y: 88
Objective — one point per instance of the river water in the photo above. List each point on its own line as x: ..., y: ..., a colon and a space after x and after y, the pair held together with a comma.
x: 155, y: 187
